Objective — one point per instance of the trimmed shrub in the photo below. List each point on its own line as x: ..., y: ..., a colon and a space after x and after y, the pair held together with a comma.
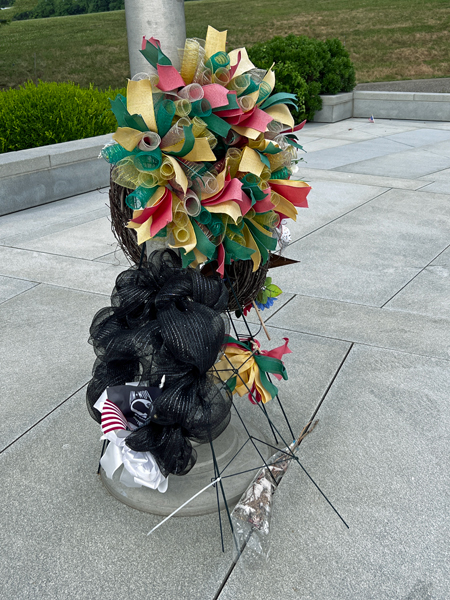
x: 306, y: 67
x: 50, y: 113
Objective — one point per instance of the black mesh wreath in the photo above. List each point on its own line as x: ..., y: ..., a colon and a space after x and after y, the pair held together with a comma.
x: 165, y: 320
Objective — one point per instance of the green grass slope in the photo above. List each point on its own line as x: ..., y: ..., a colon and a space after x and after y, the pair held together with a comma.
x: 387, y: 39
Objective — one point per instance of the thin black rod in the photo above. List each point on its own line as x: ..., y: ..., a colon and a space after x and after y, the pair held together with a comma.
x: 105, y: 443
x: 216, y: 470
x: 322, y: 493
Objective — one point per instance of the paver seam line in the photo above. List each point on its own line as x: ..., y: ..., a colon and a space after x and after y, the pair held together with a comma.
x: 280, y: 308
x: 359, y: 343
x: 387, y: 156
x: 316, y: 410
x: 412, y: 279
x: 340, y: 216
x: 36, y: 284
x: 63, y: 287
x: 420, y: 189
x: 90, y: 260
x: 318, y: 177
x: 43, y: 418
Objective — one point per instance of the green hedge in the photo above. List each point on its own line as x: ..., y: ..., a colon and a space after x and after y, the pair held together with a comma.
x: 306, y: 67
x: 50, y: 113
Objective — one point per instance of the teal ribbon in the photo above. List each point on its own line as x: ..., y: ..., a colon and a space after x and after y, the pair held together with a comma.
x: 189, y: 141
x: 217, y: 125
x: 154, y: 55
x: 280, y: 98
x: 148, y: 161
x: 232, y: 104
x: 139, y: 197
x: 264, y: 242
x: 281, y: 174
x: 165, y: 112
x: 114, y: 153
x: 201, y: 108
x: 124, y: 119
x: 217, y: 61
x: 204, y: 245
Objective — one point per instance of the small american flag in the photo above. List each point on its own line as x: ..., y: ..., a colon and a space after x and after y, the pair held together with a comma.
x: 371, y: 119
x: 112, y: 418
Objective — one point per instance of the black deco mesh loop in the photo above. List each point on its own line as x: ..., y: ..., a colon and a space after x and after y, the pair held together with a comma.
x: 165, y: 320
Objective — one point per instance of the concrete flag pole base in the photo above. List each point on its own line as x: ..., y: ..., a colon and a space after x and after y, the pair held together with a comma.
x: 183, y: 488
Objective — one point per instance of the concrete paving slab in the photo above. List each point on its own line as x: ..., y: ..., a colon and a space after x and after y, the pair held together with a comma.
x: 89, y: 240
x: 20, y: 223
x: 353, y: 153
x: 441, y: 175
x: 415, y: 124
x: 410, y: 164
x: 268, y: 312
x: 407, y: 332
x: 62, y: 271
x: 41, y: 229
x: 321, y: 144
x: 429, y: 292
x: 328, y: 201
x: 421, y: 137
x: 438, y: 187
x: 115, y: 258
x: 441, y: 148
x: 67, y: 537
x: 380, y: 454
x: 11, y: 287
x: 59, y: 463
x: 312, y: 175
x: 367, y: 255
x: 44, y: 353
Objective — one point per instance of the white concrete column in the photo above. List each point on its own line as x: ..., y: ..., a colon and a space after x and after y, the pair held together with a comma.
x: 162, y: 19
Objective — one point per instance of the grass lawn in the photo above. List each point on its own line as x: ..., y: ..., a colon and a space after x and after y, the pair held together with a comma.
x: 387, y: 39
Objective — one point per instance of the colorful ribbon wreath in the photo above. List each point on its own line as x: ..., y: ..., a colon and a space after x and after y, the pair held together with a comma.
x: 208, y: 153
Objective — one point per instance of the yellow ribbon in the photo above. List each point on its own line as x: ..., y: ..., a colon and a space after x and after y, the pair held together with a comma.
x: 140, y: 101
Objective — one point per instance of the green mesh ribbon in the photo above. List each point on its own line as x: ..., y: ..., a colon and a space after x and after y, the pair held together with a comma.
x: 189, y: 141
x: 280, y: 98
x: 250, y: 186
x: 264, y: 91
x: 217, y: 125
x: 282, y: 173
x: 124, y: 119
x: 232, y: 103
x: 292, y: 140
x: 139, y: 197
x: 272, y: 149
x: 252, y: 87
x: 217, y: 61
x: 165, y: 112
x: 234, y: 251
x: 114, y: 153
x: 148, y: 161
x: 201, y: 108
x: 204, y: 245
x: 264, y: 242
x: 155, y: 56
